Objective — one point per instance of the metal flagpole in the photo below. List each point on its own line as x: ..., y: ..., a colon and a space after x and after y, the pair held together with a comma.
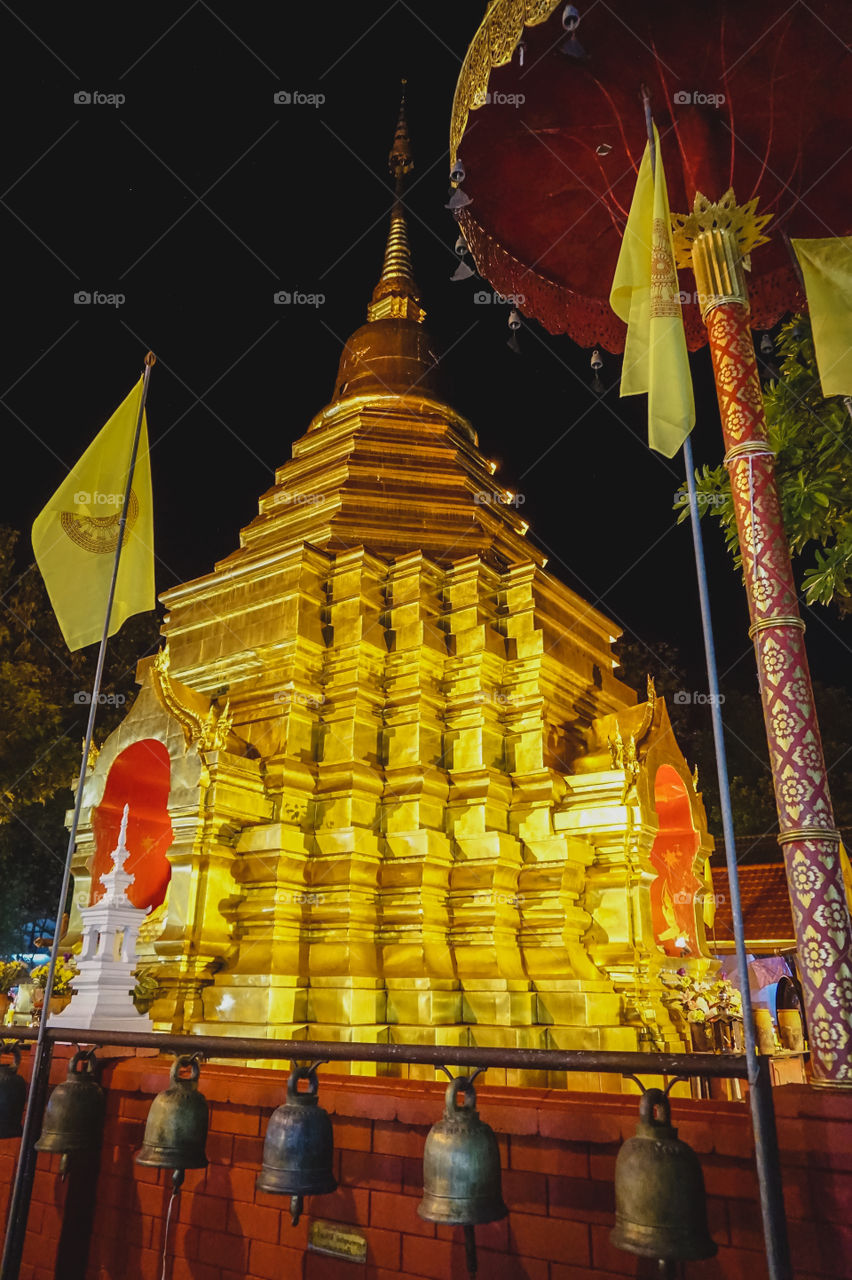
x: 760, y: 1085
x: 22, y: 1187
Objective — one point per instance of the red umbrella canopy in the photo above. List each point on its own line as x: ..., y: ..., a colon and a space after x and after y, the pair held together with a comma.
x: 749, y: 96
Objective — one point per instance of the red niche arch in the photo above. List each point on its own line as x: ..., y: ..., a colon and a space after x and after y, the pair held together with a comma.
x: 140, y: 777
x: 672, y: 856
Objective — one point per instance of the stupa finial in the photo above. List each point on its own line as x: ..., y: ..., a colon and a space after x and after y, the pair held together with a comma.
x: 396, y: 295
x: 116, y: 881
x: 121, y: 853
x: 400, y: 159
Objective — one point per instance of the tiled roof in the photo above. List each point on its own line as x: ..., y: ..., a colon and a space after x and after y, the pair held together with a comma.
x: 765, y: 903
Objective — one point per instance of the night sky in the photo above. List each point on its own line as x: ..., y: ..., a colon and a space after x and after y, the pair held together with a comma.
x: 198, y: 198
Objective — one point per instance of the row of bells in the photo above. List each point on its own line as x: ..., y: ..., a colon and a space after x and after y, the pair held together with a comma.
x: 659, y: 1187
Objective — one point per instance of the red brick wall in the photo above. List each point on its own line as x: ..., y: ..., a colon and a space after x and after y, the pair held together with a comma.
x: 558, y: 1152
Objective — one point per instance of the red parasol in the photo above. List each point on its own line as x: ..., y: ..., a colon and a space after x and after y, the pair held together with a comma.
x: 744, y: 96
x: 751, y: 107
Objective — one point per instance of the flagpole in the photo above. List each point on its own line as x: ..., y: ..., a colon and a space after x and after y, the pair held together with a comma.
x: 760, y: 1085
x: 40, y: 1077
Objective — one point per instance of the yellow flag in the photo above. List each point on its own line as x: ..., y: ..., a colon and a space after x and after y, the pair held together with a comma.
x: 827, y: 268
x: 709, y: 904
x: 76, y: 535
x: 645, y: 295
x: 847, y: 874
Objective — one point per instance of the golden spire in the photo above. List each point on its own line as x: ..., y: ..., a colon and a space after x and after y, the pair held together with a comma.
x: 396, y: 295
x: 400, y: 159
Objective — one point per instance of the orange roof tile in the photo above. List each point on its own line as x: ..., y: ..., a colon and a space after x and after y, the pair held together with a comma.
x: 765, y: 903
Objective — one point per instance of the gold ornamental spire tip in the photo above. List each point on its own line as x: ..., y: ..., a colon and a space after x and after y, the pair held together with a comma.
x: 396, y: 295
x: 400, y: 159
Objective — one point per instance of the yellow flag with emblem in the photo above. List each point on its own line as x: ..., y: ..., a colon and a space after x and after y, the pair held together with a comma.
x: 645, y: 295
x: 76, y: 535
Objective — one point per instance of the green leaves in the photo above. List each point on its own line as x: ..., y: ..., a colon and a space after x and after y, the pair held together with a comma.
x: 812, y: 439
x: 43, y: 710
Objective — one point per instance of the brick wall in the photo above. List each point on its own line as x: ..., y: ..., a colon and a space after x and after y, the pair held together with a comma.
x: 558, y: 1151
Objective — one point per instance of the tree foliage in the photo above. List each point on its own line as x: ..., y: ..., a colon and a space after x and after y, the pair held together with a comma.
x: 43, y: 711
x: 812, y: 440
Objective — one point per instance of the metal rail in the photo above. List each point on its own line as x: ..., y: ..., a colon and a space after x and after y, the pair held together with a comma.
x: 721, y: 1066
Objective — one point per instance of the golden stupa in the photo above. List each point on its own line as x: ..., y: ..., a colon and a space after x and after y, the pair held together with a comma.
x: 383, y: 781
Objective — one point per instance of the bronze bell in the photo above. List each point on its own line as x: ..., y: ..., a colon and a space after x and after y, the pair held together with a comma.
x: 13, y: 1096
x: 461, y: 1168
x: 660, y: 1203
x: 74, y: 1116
x: 299, y: 1145
x: 176, y: 1128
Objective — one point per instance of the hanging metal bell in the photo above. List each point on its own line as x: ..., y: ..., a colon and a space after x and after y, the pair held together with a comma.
x: 660, y: 1203
x: 13, y: 1096
x: 176, y: 1128
x: 74, y: 1116
x: 461, y: 1164
x: 299, y: 1145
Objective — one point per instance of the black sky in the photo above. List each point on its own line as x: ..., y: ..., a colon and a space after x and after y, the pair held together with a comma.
x: 199, y: 197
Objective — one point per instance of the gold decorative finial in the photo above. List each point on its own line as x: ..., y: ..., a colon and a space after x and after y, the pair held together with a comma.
x: 400, y: 159
x: 741, y: 222
x: 715, y: 240
x: 396, y: 296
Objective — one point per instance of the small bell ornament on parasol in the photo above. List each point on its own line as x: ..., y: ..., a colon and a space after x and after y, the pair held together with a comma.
x: 462, y: 271
x: 458, y: 199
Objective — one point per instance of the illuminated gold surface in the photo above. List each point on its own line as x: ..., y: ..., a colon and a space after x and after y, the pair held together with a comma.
x: 411, y: 801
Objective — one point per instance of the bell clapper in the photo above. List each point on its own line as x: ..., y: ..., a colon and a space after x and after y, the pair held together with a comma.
x: 470, y: 1250
x: 178, y: 1176
x: 297, y: 1204
x: 63, y: 1166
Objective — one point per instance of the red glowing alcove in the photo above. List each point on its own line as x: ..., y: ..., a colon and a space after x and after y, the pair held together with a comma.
x: 672, y: 856
x: 140, y: 777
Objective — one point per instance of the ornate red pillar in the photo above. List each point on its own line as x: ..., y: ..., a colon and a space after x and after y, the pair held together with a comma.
x: 714, y: 240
